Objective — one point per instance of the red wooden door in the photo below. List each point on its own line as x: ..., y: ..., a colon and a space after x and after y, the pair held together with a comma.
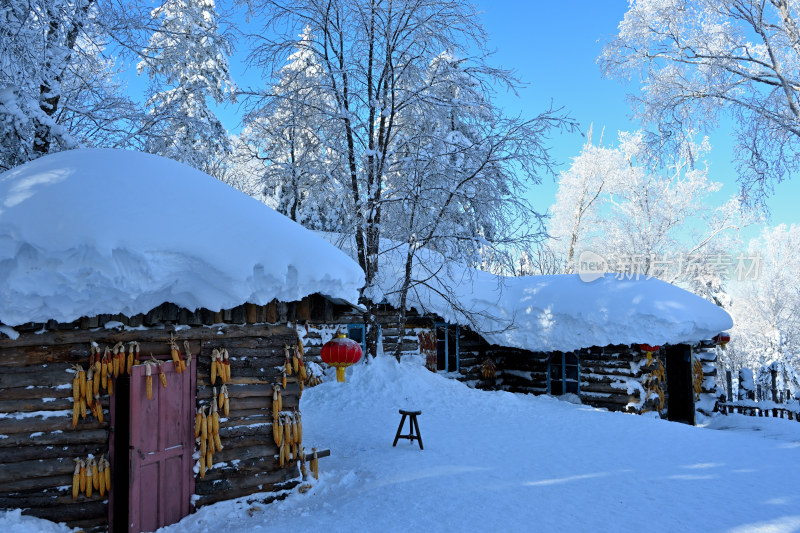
x: 161, y: 445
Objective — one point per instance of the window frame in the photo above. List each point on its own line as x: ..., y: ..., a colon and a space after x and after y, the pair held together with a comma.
x: 447, y: 328
x: 563, y: 362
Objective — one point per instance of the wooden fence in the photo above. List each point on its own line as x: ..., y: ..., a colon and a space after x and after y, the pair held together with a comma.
x: 755, y: 410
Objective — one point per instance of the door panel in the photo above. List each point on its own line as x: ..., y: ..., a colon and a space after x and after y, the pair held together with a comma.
x: 161, y: 445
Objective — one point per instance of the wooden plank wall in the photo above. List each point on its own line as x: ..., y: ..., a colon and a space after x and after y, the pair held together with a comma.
x: 38, y: 442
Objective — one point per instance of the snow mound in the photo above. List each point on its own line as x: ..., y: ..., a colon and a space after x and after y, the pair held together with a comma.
x: 18, y: 523
x: 94, y: 231
x: 548, y: 313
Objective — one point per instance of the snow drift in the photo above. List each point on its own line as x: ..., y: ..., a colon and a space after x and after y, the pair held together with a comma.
x: 94, y: 231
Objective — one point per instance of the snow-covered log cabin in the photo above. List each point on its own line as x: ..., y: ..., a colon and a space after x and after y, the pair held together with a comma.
x: 557, y: 334
x: 105, y: 251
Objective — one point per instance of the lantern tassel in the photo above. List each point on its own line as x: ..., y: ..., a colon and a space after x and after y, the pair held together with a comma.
x: 340, y: 374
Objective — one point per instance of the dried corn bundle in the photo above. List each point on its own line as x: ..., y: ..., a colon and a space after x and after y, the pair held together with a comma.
x: 188, y: 356
x: 295, y: 361
x: 131, y: 347
x: 76, y: 412
x: 198, y: 418
x: 225, y: 365
x: 299, y: 428
x: 107, y: 473
x: 287, y: 431
x: 89, y: 392
x: 214, y: 419
x: 95, y: 380
x: 283, y: 378
x: 295, y: 431
x: 100, y: 476
x: 76, y: 479
x: 162, y: 376
x: 89, y: 480
x: 175, y: 353
x: 202, y: 465
x: 214, y: 357
x: 98, y: 409
x: 203, y: 424
x: 277, y: 432
x: 277, y: 403
x: 288, y: 364
x: 148, y: 379
x: 82, y: 478
x: 282, y: 455
x: 302, y: 370
x: 104, y: 370
x: 116, y: 360
x: 226, y: 402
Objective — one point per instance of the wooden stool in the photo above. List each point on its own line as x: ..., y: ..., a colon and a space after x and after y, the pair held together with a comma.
x: 412, y: 423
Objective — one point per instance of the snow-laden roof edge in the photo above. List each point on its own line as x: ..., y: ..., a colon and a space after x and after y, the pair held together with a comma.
x: 550, y: 313
x: 93, y: 231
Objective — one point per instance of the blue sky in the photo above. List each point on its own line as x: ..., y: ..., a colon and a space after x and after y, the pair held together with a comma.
x: 552, y: 47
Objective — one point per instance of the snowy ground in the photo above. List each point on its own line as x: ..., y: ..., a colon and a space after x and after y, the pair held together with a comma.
x: 496, y: 461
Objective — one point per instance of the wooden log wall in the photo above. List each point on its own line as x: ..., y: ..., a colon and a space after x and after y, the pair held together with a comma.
x: 37, y: 439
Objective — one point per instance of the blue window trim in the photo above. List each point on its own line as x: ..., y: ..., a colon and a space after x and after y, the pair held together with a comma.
x: 363, y: 330
x: 563, y: 357
x: 454, y: 327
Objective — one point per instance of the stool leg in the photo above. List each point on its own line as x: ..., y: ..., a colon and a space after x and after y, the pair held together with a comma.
x: 419, y: 435
x: 399, y: 429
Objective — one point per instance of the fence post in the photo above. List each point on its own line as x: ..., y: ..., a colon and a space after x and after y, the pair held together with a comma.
x: 774, y: 385
x: 729, y: 378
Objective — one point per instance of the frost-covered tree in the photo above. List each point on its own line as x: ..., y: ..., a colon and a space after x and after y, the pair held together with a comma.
x: 766, y: 304
x: 187, y: 62
x: 57, y: 84
x: 705, y: 60
x: 292, y: 145
x: 647, y: 216
x: 374, y: 58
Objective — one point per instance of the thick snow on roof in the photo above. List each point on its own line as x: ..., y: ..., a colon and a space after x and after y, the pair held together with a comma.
x: 94, y: 231
x: 548, y: 313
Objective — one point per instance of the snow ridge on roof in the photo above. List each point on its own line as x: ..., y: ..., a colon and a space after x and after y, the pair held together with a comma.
x: 550, y: 313
x: 92, y: 231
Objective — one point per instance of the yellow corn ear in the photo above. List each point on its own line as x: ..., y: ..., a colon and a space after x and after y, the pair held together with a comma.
x: 107, y: 474
x: 283, y: 379
x: 214, y: 356
x: 277, y: 433
x: 209, y: 460
x: 176, y: 357
x: 104, y: 373
x: 101, y: 478
x: 76, y: 412
x: 197, y: 419
x: 96, y: 382
x: 82, y: 479
x: 217, y: 442
x: 162, y: 377
x: 82, y: 403
x: 282, y: 455
x: 110, y: 384
x: 295, y: 362
x: 287, y: 432
x: 76, y: 480
x: 90, y: 388
x: 227, y: 407
x: 95, y: 476
x: 89, y: 483
x: 202, y: 465
x: 76, y: 388
x: 149, y: 380
x: 98, y: 409
x: 215, y: 422
x: 220, y: 398
x: 203, y: 424
x: 130, y: 358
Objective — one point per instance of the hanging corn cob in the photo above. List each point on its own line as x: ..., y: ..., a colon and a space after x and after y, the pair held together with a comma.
x: 282, y: 455
x: 176, y: 355
x: 302, y: 370
x: 288, y: 363
x: 104, y: 370
x: 277, y: 432
x: 226, y: 364
x: 161, y: 375
x: 95, y: 379
x: 188, y: 356
x: 198, y: 418
x: 299, y: 427
x: 295, y: 432
x: 76, y: 479
x: 107, y: 473
x: 131, y: 347
x: 115, y: 360
x: 303, y: 469
x: 148, y: 379
x: 89, y: 480
x: 98, y: 409
x: 226, y: 402
x: 295, y: 361
x: 90, y: 387
x: 202, y: 465
x: 277, y: 403
x: 100, y: 476
x: 214, y: 357
x: 283, y: 378
x: 82, y: 479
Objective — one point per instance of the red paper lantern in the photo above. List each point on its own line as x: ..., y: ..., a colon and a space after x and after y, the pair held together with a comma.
x: 341, y: 352
x: 649, y: 350
x: 722, y: 339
